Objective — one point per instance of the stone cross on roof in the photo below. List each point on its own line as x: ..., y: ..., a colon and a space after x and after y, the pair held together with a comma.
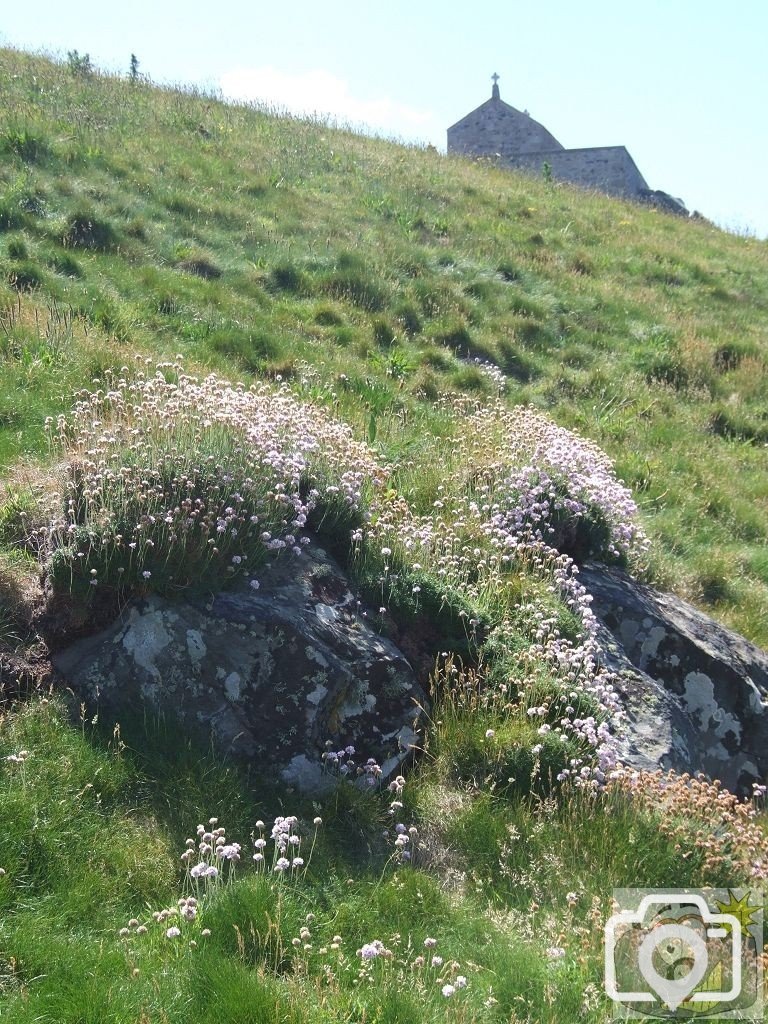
x: 495, y: 91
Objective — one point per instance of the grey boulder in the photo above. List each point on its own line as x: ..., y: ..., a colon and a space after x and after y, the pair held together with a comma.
x: 695, y: 693
x: 270, y: 674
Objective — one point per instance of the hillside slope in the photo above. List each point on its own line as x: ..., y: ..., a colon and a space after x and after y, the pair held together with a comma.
x: 166, y: 222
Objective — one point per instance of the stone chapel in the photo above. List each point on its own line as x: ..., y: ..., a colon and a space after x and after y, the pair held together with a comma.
x: 512, y: 138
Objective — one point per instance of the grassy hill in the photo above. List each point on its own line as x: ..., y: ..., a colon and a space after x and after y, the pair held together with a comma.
x: 387, y: 287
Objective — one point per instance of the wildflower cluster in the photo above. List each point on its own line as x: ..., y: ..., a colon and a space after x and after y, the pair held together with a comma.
x: 406, y: 839
x: 523, y: 494
x: 419, y: 970
x: 701, y: 817
x: 285, y: 858
x: 341, y: 764
x: 211, y: 853
x: 173, y: 479
x: 210, y: 860
x: 547, y: 481
x: 20, y: 758
x: 423, y: 972
x: 490, y: 370
x: 170, y: 923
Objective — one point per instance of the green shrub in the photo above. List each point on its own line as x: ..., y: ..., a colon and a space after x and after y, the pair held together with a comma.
x: 79, y: 65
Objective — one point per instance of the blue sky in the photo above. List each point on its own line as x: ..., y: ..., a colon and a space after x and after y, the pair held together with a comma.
x: 683, y: 84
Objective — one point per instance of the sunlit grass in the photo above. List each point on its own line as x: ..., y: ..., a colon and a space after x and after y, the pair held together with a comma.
x: 370, y: 280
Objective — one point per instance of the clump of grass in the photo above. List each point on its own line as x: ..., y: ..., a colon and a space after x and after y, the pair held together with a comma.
x: 25, y: 144
x: 18, y: 249
x: 194, y: 261
x: 408, y: 316
x: 739, y: 424
x: 26, y: 276
x: 85, y: 229
x: 355, y: 282
x: 287, y: 277
x: 65, y: 263
x: 328, y: 316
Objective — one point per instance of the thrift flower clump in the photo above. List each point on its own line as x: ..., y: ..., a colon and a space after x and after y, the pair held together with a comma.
x: 173, y: 479
x: 522, y: 499
x: 701, y: 817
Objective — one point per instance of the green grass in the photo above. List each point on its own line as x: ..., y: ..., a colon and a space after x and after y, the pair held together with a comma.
x: 93, y: 823
x: 369, y: 277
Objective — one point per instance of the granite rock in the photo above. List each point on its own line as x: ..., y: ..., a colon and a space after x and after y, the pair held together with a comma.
x: 270, y: 674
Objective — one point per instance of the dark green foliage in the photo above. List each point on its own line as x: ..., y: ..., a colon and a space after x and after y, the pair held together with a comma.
x: 728, y: 357
x: 200, y: 266
x: 472, y: 379
x: 457, y: 338
x: 355, y: 281
x: 426, y: 385
x: 581, y: 537
x: 513, y: 361
x: 248, y: 349
x: 441, y: 618
x: 66, y: 264
x: 509, y: 271
x: 667, y: 369
x: 167, y: 304
x: 357, y: 287
x: 11, y: 214
x: 535, y: 335
x: 582, y: 263
x: 506, y: 764
x: 327, y: 316
x: 408, y: 316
